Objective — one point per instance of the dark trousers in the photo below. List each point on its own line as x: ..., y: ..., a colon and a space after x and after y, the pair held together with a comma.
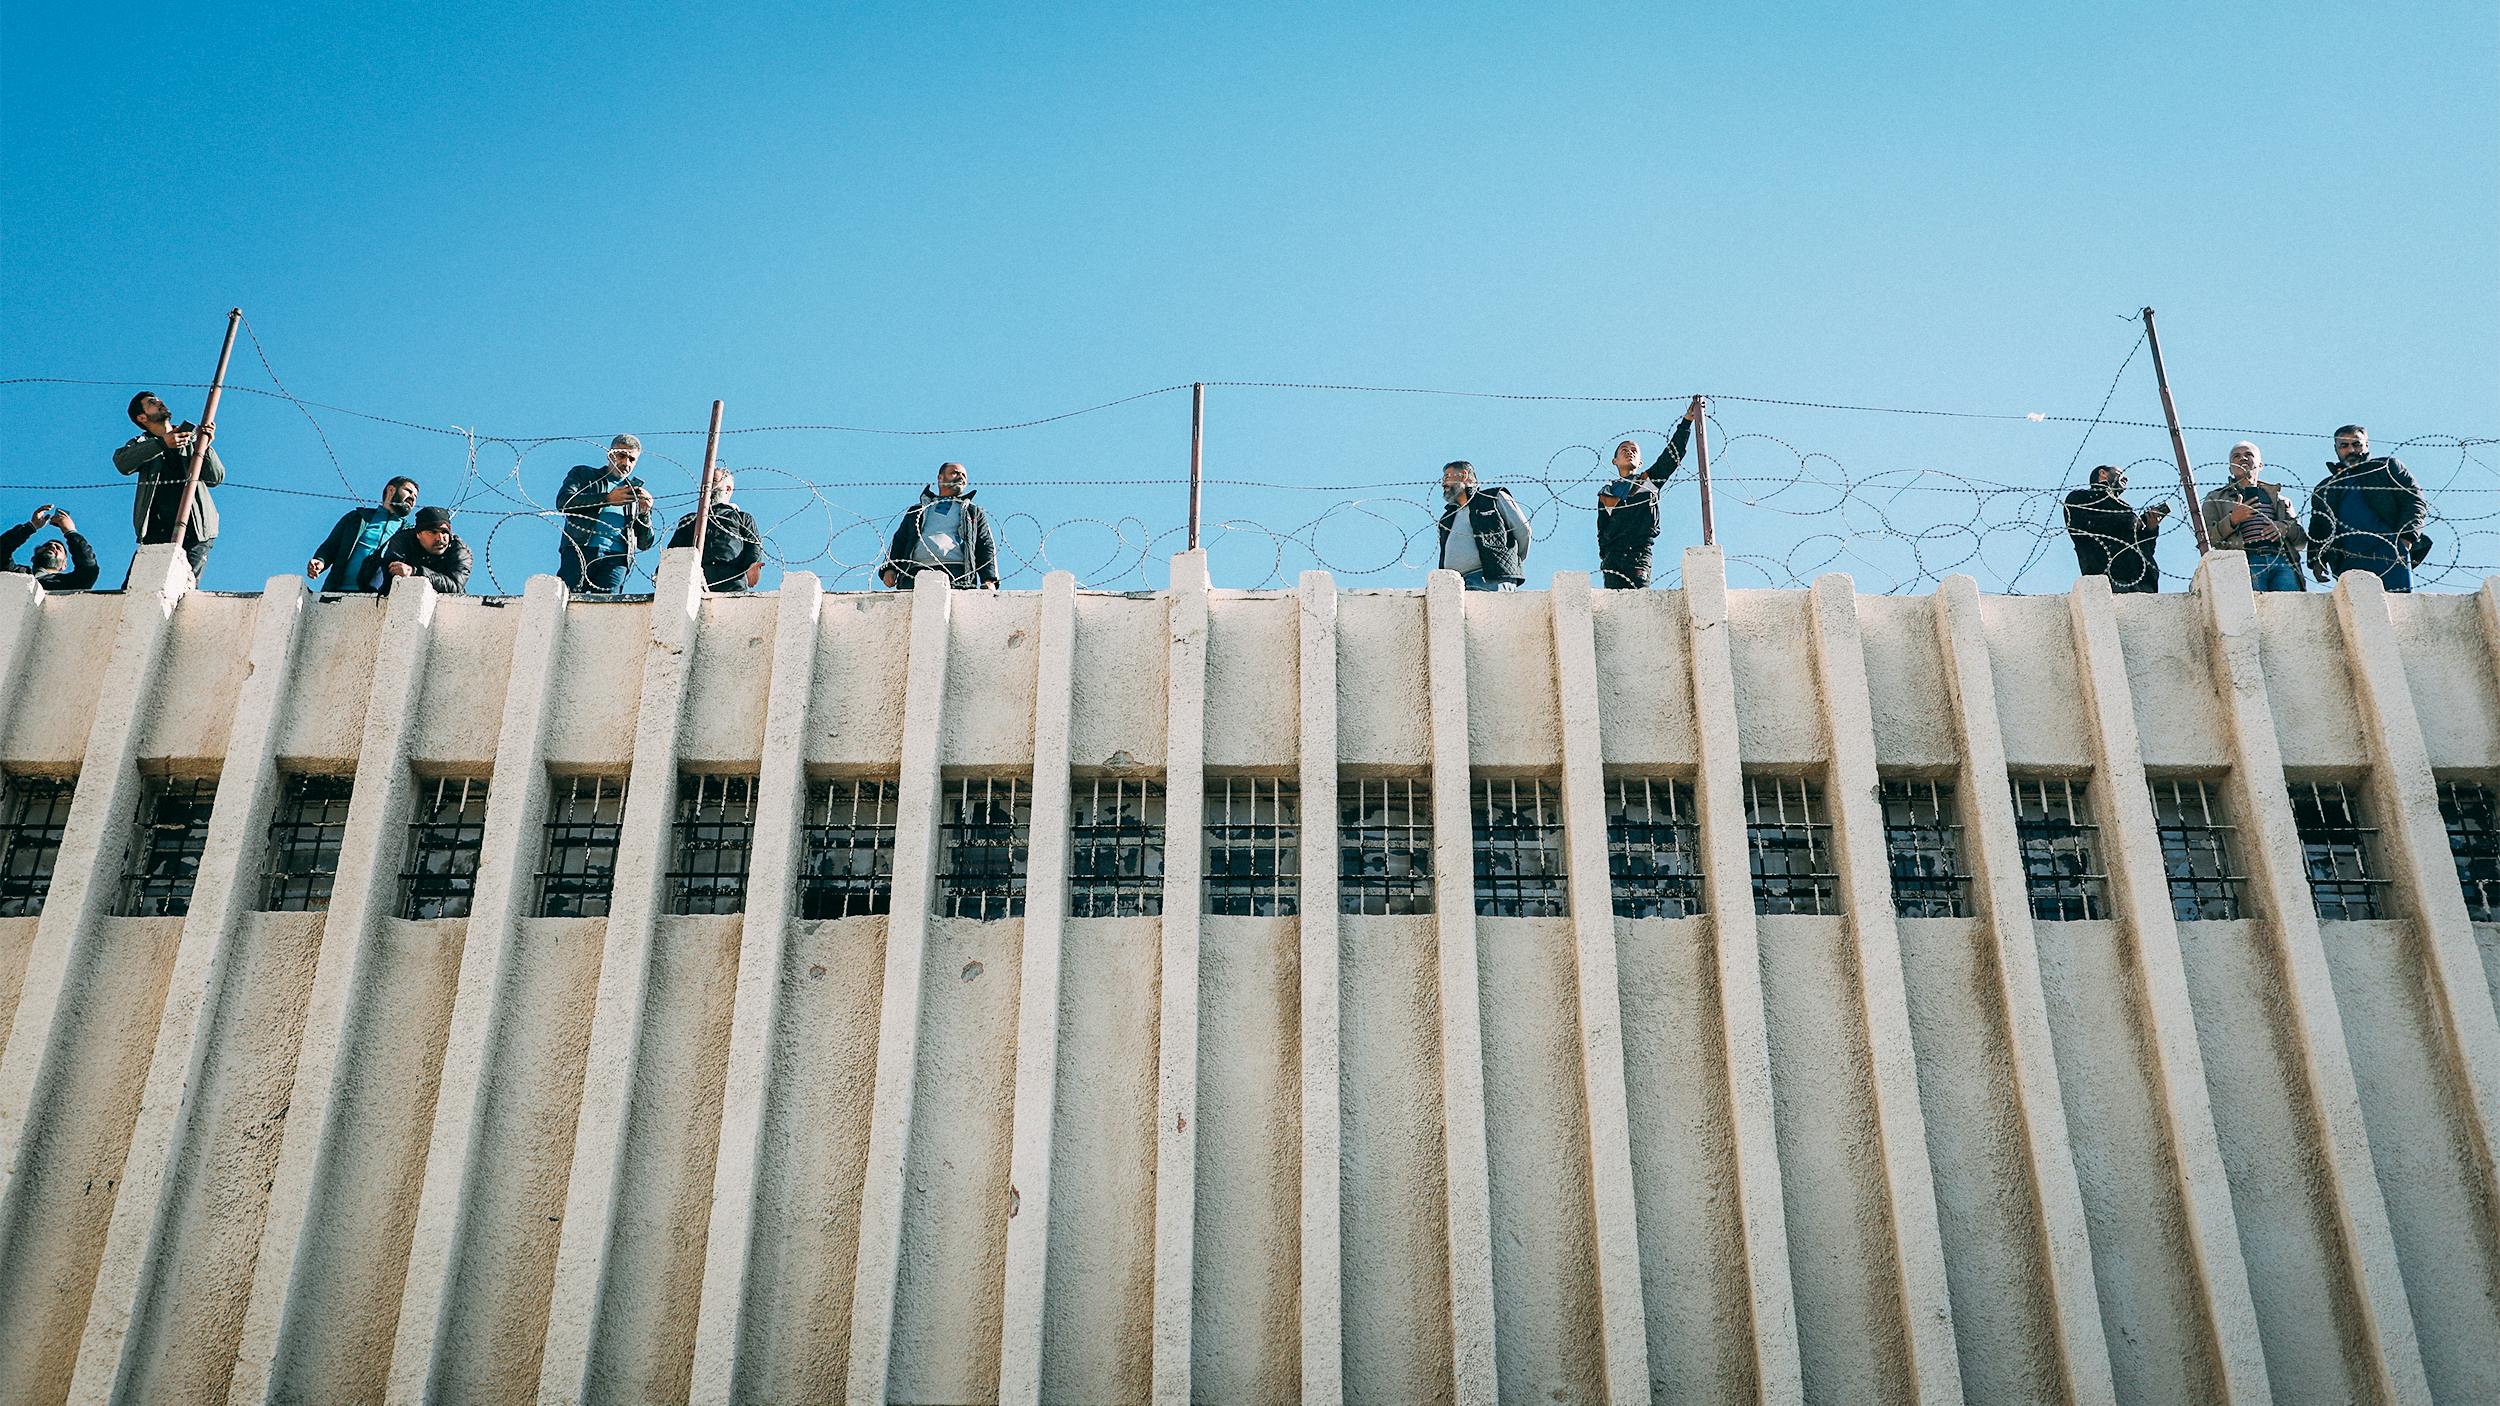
x: 1624, y: 573
x: 194, y: 550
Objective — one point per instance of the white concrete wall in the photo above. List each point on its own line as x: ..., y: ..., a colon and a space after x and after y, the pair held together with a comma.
x: 1725, y: 1158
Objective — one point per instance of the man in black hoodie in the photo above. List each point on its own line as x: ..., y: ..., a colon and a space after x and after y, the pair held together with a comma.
x: 2111, y: 538
x: 945, y: 531
x: 1627, y: 509
x: 66, y: 565
x: 427, y: 549
x: 733, y: 551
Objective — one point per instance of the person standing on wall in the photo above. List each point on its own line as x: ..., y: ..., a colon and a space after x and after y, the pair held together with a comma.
x: 1627, y: 509
x: 2111, y: 538
x: 426, y: 548
x: 733, y: 550
x: 66, y: 565
x: 1492, y: 553
x: 359, y: 536
x: 607, y: 519
x: 945, y: 531
x: 2251, y: 516
x: 2367, y: 515
x: 160, y: 454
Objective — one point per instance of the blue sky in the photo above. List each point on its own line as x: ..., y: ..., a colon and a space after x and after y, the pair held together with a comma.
x: 533, y: 221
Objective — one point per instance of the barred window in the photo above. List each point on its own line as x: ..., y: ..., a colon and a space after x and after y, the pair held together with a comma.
x: 2205, y: 879
x: 165, y: 854
x: 985, y: 825
x: 849, y: 864
x: 1923, y: 845
x: 2341, y: 853
x: 585, y: 819
x: 34, y: 813
x: 1384, y: 845
x: 1115, y: 847
x: 445, y: 835
x: 2061, y: 850
x: 1653, y: 848
x: 1519, y: 849
x: 2472, y: 814
x: 715, y: 842
x: 1254, y: 847
x: 1789, y: 838
x: 304, y: 838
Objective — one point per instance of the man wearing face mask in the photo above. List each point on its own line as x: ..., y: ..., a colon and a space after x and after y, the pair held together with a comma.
x: 945, y: 531
x: 1627, y: 509
x: 2367, y: 516
x: 359, y: 536
x: 1484, y: 536
x: 2251, y: 516
x: 2111, y: 538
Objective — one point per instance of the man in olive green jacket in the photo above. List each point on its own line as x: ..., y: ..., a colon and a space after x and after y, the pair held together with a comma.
x: 160, y: 454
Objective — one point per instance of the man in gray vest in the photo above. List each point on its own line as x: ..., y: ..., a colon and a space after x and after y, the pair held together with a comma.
x: 1490, y: 550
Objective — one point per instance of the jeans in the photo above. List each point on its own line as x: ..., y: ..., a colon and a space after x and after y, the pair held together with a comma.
x: 599, y: 576
x: 1475, y: 581
x: 2274, y: 573
x: 2394, y: 570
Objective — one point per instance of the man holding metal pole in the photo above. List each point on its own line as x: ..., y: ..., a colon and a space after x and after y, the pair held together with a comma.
x: 1627, y: 509
x: 160, y: 455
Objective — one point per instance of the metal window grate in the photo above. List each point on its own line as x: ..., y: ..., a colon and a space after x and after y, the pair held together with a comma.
x: 165, y: 855
x: 34, y: 813
x: 2061, y: 850
x: 985, y: 825
x: 2472, y: 813
x: 1653, y: 848
x: 445, y: 836
x: 2205, y: 879
x: 1788, y: 837
x: 1923, y: 847
x: 715, y: 842
x: 1115, y: 848
x: 1253, y: 847
x: 1519, y: 849
x: 849, y: 864
x: 2339, y: 851
x: 585, y: 819
x: 304, y: 838
x: 1384, y: 845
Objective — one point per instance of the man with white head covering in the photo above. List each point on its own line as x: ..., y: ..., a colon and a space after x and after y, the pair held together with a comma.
x: 2250, y: 515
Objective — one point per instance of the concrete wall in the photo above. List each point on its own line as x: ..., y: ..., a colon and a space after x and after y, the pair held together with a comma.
x: 1726, y: 1158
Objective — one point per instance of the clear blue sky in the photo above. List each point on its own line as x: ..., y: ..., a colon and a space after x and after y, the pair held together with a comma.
x: 539, y: 223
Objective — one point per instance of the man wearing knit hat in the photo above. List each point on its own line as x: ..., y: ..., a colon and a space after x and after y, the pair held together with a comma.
x: 607, y: 519
x: 428, y: 549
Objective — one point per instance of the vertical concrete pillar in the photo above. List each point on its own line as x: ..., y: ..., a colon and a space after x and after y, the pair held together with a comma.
x: 1727, y: 877
x: 226, y: 889
x: 1469, y: 1174
x: 1176, y: 1074
x: 772, y: 883
x: 1995, y: 853
x: 2279, y: 875
x: 592, y: 1192
x: 898, y: 1020
x: 21, y: 614
x: 1623, y: 1325
x: 360, y: 896
x: 1866, y: 896
x: 1037, y: 1003
x: 516, y: 806
x: 2417, y: 849
x: 93, y: 844
x: 1323, y: 1278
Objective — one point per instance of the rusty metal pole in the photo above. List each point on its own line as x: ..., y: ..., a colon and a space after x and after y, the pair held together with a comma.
x: 208, y: 424
x: 2178, y: 442
x: 1701, y: 468
x: 1197, y: 454
x: 703, y: 493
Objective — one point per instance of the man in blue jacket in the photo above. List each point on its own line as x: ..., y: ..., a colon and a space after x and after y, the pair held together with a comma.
x: 358, y: 537
x: 2367, y: 516
x: 607, y: 519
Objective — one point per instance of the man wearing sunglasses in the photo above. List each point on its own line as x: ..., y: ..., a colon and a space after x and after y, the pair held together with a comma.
x: 607, y: 519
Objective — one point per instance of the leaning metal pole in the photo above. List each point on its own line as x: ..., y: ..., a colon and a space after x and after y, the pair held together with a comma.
x: 703, y: 492
x: 2178, y: 442
x: 208, y: 426
x: 1197, y: 454
x: 1701, y: 467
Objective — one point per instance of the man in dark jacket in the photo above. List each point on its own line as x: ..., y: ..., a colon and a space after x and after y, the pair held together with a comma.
x: 1492, y: 553
x: 427, y: 549
x: 607, y: 519
x: 2367, y: 516
x: 945, y: 531
x: 66, y: 565
x: 160, y: 454
x: 1627, y: 509
x: 359, y: 536
x: 733, y: 551
x: 2112, y: 539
